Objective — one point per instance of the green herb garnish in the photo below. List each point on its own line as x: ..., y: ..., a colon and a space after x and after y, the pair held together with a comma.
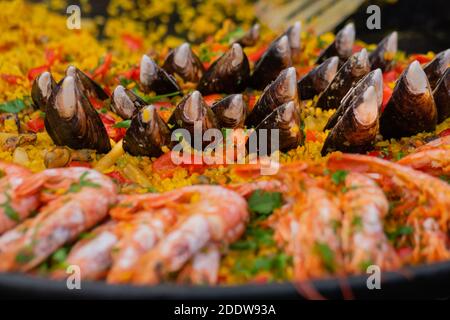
x: 400, y: 231
x: 76, y: 187
x: 339, y: 176
x: 326, y: 254
x: 157, y: 98
x: 263, y: 202
x: 14, y: 106
x: 9, y: 210
x: 122, y: 124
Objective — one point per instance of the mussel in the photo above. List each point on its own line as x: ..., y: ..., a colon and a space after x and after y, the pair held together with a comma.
x: 411, y: 108
x: 147, y: 134
x: 59, y: 157
x: 348, y: 75
x: 280, y: 91
x: 251, y: 37
x: 72, y: 121
x: 125, y: 102
x: 435, y: 69
x: 318, y: 79
x: 342, y: 46
x: 41, y: 89
x: 383, y: 56
x: 375, y: 79
x: 89, y: 87
x: 442, y: 96
x: 272, y: 62
x: 183, y: 61
x: 286, y: 119
x: 231, y: 111
x: 294, y: 33
x: 357, y: 129
x: 192, y: 111
x: 153, y: 78
x: 228, y: 74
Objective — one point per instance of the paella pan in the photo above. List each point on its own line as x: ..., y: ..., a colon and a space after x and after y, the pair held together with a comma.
x: 249, y: 158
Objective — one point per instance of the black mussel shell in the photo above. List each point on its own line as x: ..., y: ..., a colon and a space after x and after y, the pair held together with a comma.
x: 71, y: 120
x: 411, y: 108
x: 383, y: 56
x: 272, y: 62
x: 125, y: 102
x: 442, y: 96
x: 183, y: 61
x: 251, y: 37
x: 147, y: 134
x: 41, y: 89
x: 89, y: 87
x: 294, y: 34
x: 153, y: 78
x: 280, y: 91
x: 348, y: 75
x: 231, y: 111
x: 375, y: 79
x: 342, y: 46
x: 285, y: 118
x: 435, y: 69
x: 318, y: 79
x: 228, y: 74
x: 192, y: 110
x: 357, y: 129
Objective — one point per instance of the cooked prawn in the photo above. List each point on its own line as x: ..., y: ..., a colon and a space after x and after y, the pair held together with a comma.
x: 432, y: 160
x: 203, y: 269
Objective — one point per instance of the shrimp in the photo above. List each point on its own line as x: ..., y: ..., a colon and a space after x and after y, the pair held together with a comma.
x: 13, y: 207
x: 82, y: 199
x: 432, y: 160
x: 203, y: 269
x: 138, y: 236
x: 363, y: 240
x: 210, y: 214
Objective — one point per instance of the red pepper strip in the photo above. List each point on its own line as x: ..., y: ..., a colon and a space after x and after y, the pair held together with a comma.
x: 257, y: 54
x: 311, y: 136
x: 251, y: 101
x: 444, y: 133
x: 97, y: 104
x: 162, y: 104
x: 114, y: 133
x: 390, y: 76
x: 133, y: 42
x: 80, y: 164
x: 11, y: 79
x: 132, y: 74
x: 357, y: 48
x: 118, y: 177
x: 210, y: 99
x: 421, y: 58
x: 34, y: 72
x: 103, y: 69
x: 36, y: 125
x: 387, y: 94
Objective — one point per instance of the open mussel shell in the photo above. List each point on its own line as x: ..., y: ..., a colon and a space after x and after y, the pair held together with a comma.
x: 442, y: 96
x: 348, y: 75
x: 383, y: 56
x: 318, y: 79
x: 411, y: 108
x: 280, y: 91
x: 231, y: 111
x: 147, y: 134
x: 342, y: 46
x: 183, y: 61
x: 41, y: 89
x: 192, y: 111
x: 228, y: 74
x: 286, y: 119
x: 125, y: 102
x: 293, y: 33
x: 273, y: 61
x: 435, y: 69
x: 153, y: 78
x: 375, y: 79
x: 251, y: 37
x: 357, y: 129
x: 72, y: 121
x: 89, y: 87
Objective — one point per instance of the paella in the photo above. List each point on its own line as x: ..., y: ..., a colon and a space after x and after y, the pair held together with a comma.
x: 98, y: 169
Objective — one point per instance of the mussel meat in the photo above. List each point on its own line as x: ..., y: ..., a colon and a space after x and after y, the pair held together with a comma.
x: 375, y: 79
x: 348, y: 75
x: 183, y: 61
x: 286, y: 119
x: 272, y: 62
x: 251, y: 37
x: 357, y: 129
x: 192, y: 111
x: 153, y: 78
x: 41, y: 89
x: 231, y: 111
x: 72, y: 121
x: 228, y: 74
x: 89, y: 87
x: 280, y: 91
x: 342, y: 46
x: 147, y: 134
x: 442, y: 97
x: 59, y: 157
x: 435, y: 69
x: 318, y: 79
x: 411, y: 108
x: 383, y: 56
x: 125, y: 102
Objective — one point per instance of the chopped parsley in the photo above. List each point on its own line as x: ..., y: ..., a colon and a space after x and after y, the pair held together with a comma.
x: 122, y: 124
x: 9, y: 210
x: 326, y: 254
x: 13, y: 106
x: 339, y: 176
x: 263, y: 202
x: 76, y: 187
x: 400, y: 231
